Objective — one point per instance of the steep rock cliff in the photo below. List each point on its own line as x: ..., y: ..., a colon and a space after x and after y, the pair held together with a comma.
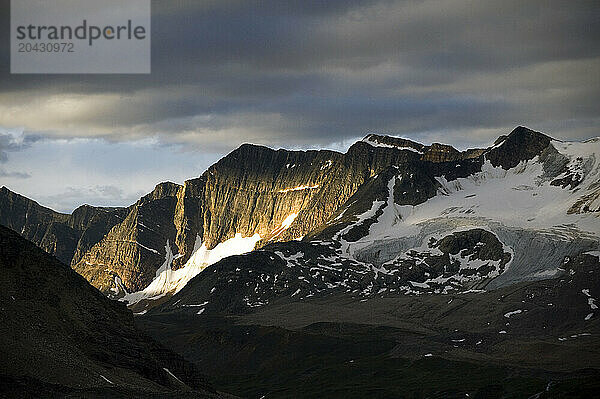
x: 127, y: 257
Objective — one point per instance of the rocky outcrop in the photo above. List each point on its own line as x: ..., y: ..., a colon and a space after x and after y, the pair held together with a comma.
x: 463, y: 259
x: 588, y: 203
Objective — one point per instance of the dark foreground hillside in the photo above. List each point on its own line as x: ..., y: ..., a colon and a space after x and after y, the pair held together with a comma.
x: 60, y: 337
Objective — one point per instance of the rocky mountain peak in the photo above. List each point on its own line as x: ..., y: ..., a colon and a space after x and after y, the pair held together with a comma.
x: 62, y: 235
x: 161, y: 191
x: 521, y: 144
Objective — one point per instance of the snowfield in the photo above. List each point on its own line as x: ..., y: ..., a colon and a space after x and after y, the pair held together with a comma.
x: 520, y: 206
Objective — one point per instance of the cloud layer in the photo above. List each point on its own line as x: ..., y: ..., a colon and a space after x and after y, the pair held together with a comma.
x: 309, y: 73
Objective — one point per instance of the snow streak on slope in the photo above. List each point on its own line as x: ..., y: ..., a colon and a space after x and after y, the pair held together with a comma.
x: 346, y: 246
x: 371, y: 140
x: 287, y: 222
x: 299, y: 188
x: 392, y: 213
x: 171, y: 281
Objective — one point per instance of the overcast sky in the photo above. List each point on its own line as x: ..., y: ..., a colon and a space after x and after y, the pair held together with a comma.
x: 298, y: 74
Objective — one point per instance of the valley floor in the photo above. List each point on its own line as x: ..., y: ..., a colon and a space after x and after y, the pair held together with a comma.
x: 525, y: 340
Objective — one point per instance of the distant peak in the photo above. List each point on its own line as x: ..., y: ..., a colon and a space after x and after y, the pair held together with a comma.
x: 522, y: 144
x: 522, y: 132
x: 592, y: 140
x: 167, y: 184
x: 252, y: 145
x: 162, y: 190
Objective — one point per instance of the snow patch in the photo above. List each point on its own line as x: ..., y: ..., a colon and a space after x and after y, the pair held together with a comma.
x: 514, y: 312
x: 591, y: 301
x: 327, y: 164
x: 173, y: 375
x: 147, y: 248
x: 106, y: 379
x: 171, y: 281
x: 593, y: 253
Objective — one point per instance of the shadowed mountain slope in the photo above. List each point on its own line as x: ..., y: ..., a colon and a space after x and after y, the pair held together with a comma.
x: 59, y: 336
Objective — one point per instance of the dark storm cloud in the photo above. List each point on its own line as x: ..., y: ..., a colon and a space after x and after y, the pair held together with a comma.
x: 315, y: 72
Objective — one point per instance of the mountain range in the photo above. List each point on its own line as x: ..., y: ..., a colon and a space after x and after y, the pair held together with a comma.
x: 383, y: 197
x: 486, y: 258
